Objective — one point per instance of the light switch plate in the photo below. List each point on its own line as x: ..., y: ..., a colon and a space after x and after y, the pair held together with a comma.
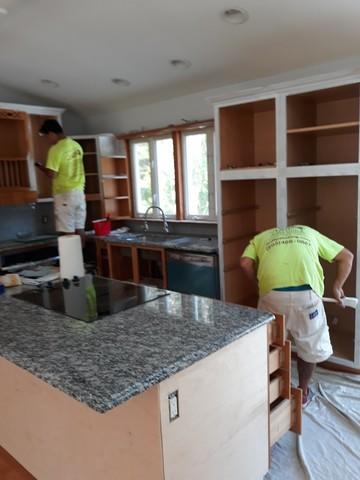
x: 173, y: 405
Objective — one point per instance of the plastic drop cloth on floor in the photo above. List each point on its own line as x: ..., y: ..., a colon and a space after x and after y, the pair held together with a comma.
x: 329, y: 447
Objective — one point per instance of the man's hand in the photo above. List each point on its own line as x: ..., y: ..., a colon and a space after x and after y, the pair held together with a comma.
x: 50, y: 173
x: 343, y: 261
x: 338, y: 293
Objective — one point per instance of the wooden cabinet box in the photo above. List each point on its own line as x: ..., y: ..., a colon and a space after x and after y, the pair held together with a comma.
x: 247, y: 134
x: 248, y: 207
x: 314, y: 181
x: 323, y: 126
x: 15, y: 183
x: 285, y: 402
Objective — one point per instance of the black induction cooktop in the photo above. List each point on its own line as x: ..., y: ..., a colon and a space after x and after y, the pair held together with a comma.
x: 90, y: 298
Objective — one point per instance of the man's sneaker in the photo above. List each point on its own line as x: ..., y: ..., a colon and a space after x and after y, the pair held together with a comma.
x: 306, y: 398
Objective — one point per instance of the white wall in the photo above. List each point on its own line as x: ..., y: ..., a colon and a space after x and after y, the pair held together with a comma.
x: 74, y: 123
x: 198, y: 106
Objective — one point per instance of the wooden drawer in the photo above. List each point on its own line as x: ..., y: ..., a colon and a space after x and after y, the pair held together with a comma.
x: 280, y: 357
x: 286, y: 415
x: 274, y: 359
x: 276, y: 331
x: 275, y: 388
x: 279, y: 385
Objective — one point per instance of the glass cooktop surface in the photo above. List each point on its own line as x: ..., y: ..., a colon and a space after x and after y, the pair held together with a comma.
x: 90, y: 298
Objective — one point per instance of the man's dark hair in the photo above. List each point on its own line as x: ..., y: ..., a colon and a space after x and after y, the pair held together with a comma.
x: 51, y: 125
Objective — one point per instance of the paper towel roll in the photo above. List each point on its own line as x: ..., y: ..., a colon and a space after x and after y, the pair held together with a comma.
x: 71, y: 257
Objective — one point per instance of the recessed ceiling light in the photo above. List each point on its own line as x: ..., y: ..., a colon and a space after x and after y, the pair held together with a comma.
x: 49, y: 83
x: 3, y: 11
x: 122, y: 82
x: 180, y: 64
x: 235, y: 15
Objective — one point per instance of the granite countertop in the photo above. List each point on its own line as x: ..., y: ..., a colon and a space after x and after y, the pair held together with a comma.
x: 12, y: 246
x: 164, y: 240
x: 105, y: 363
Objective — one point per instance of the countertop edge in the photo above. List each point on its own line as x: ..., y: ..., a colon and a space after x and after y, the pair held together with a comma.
x: 155, y: 378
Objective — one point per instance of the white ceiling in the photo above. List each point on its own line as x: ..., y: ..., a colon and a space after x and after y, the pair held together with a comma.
x: 82, y: 44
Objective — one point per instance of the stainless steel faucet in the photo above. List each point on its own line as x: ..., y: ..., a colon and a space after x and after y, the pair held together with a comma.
x: 165, y: 224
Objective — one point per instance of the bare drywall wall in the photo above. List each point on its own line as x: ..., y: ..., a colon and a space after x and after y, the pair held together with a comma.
x: 74, y: 122
x: 197, y: 106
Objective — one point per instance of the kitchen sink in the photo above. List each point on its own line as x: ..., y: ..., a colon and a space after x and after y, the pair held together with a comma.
x: 158, y: 238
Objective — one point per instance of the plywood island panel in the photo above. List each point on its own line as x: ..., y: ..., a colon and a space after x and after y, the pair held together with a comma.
x: 221, y: 431
x: 56, y: 437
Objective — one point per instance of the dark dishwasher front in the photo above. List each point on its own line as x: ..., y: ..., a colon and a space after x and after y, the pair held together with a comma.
x: 194, y: 273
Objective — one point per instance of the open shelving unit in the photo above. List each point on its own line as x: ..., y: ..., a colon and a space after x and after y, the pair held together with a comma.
x: 116, y: 186
x: 15, y: 183
x: 107, y: 185
x: 323, y: 126
x: 314, y: 180
x: 327, y: 204
x: 248, y: 207
x: 247, y: 135
x: 90, y: 147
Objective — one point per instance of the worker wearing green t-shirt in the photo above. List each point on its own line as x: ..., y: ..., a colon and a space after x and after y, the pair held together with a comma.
x: 64, y: 165
x: 284, y: 263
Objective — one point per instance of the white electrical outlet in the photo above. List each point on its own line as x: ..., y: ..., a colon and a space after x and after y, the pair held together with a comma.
x: 173, y: 405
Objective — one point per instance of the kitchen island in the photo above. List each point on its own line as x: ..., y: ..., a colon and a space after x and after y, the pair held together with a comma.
x: 176, y: 388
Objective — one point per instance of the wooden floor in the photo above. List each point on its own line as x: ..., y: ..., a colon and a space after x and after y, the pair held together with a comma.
x: 10, y: 469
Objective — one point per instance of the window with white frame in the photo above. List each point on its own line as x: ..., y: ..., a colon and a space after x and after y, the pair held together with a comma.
x: 153, y: 175
x: 199, y: 183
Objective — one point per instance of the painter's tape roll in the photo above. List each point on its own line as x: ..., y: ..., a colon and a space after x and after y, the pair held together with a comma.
x: 71, y: 257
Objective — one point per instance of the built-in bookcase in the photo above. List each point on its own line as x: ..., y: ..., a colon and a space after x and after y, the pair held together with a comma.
x: 309, y: 140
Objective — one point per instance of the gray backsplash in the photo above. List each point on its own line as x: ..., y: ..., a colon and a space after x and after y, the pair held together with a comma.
x: 29, y: 219
x: 26, y: 219
x: 178, y: 228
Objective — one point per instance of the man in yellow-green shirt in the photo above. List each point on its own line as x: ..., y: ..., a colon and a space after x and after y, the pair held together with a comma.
x: 64, y: 165
x: 284, y: 263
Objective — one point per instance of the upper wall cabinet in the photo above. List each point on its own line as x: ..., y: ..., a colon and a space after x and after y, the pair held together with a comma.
x: 247, y: 135
x: 323, y: 126
x: 15, y: 183
x: 20, y: 148
x: 107, y: 185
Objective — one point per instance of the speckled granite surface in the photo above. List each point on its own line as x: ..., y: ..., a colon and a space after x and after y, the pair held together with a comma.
x: 105, y: 363
x: 167, y: 241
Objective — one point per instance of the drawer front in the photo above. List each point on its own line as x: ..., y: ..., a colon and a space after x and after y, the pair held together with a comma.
x: 296, y: 410
x: 275, y: 387
x: 276, y: 331
x: 279, y: 385
x: 280, y: 358
x: 274, y: 359
x: 285, y: 416
x: 280, y: 420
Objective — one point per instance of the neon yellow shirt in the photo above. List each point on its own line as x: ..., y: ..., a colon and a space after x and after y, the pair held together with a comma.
x: 288, y: 257
x: 65, y: 158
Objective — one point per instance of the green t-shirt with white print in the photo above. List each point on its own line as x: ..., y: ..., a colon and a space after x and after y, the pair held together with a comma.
x: 289, y: 257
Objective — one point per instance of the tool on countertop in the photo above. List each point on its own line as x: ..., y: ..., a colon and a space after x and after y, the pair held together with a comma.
x: 347, y: 301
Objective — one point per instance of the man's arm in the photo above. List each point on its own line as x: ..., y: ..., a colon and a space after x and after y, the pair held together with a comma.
x: 249, y: 268
x: 344, y: 261
x: 50, y: 173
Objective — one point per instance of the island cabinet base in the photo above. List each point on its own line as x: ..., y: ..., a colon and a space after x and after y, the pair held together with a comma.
x: 56, y: 437
x: 221, y: 430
